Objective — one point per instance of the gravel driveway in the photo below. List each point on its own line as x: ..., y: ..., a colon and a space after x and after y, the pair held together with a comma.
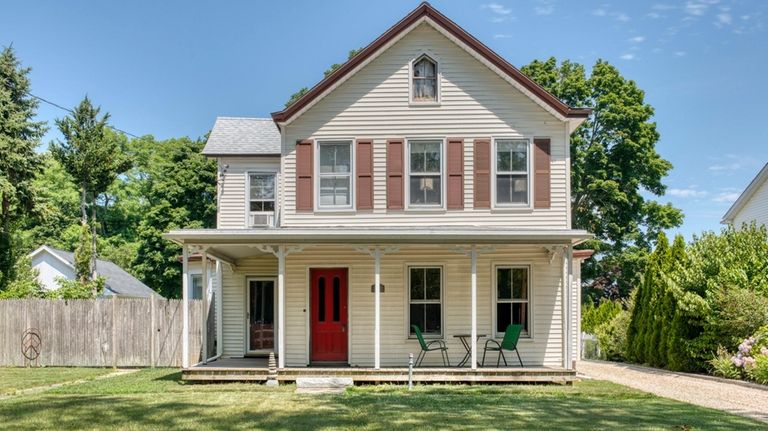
x: 744, y: 399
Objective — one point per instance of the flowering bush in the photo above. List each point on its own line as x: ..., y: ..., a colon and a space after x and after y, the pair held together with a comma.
x: 749, y: 362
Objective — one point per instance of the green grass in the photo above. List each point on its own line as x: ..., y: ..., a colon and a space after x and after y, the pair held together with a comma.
x: 157, y: 399
x: 15, y: 379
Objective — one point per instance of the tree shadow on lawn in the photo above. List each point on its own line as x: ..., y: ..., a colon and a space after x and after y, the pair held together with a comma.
x: 360, y: 410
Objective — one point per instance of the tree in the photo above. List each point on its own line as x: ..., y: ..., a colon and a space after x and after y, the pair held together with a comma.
x: 93, y: 157
x: 614, y: 161
x: 299, y: 94
x: 180, y: 188
x: 19, y: 163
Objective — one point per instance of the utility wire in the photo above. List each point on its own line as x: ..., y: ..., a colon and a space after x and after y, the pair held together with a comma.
x: 72, y: 112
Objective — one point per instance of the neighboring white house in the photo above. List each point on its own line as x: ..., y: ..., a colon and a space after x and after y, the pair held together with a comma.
x: 752, y: 205
x: 425, y: 182
x: 52, y: 263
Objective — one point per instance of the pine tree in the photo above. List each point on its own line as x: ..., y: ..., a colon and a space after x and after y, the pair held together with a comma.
x: 19, y: 163
x: 92, y: 155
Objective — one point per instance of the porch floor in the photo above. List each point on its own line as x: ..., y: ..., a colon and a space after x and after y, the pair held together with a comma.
x: 256, y: 370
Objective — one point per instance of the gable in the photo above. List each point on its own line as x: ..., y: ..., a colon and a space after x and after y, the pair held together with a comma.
x: 427, y: 14
x: 376, y: 99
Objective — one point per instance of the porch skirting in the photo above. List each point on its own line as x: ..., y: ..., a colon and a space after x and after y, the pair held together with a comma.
x: 256, y: 370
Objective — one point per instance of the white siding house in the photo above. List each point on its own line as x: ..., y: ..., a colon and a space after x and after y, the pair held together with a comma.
x: 53, y: 264
x: 752, y: 204
x: 424, y: 183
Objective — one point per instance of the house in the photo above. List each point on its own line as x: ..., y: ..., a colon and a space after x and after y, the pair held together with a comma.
x: 52, y: 264
x: 752, y: 204
x: 425, y: 182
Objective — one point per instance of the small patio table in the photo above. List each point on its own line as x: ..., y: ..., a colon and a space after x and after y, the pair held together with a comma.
x: 464, y: 338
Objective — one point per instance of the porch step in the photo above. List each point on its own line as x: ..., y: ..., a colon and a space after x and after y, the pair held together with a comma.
x: 322, y: 385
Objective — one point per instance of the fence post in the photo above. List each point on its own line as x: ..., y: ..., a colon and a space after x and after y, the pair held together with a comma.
x: 114, y: 331
x: 152, y: 331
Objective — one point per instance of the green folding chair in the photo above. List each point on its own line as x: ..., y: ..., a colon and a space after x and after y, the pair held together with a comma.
x: 511, y: 335
x: 430, y: 347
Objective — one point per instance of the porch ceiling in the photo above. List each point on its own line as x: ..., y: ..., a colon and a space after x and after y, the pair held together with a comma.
x: 378, y: 235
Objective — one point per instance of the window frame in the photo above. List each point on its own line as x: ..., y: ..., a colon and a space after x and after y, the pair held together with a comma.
x: 248, y: 212
x: 438, y: 79
x: 529, y: 335
x: 495, y: 173
x: 408, y: 267
x: 407, y: 185
x: 318, y: 175
x: 248, y: 191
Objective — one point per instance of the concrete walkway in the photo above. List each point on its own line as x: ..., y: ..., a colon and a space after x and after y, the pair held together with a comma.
x: 740, y: 398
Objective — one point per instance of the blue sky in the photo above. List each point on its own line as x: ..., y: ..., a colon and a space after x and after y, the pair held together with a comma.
x: 168, y: 68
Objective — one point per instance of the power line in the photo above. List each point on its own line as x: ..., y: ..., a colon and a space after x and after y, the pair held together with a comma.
x: 72, y: 112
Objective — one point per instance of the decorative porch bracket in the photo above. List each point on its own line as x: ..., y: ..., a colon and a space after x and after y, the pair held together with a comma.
x: 280, y: 251
x: 377, y: 253
x: 473, y: 251
x: 554, y: 250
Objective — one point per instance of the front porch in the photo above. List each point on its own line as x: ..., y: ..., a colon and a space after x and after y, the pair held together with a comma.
x: 257, y: 370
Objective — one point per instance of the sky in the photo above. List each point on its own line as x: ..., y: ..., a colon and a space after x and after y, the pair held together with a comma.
x: 169, y: 68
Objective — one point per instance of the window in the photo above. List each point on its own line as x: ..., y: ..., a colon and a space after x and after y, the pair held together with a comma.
x: 262, y: 193
x: 512, y: 172
x: 425, y: 180
x: 335, y: 175
x: 512, y: 298
x: 424, y: 298
x: 196, y: 286
x: 424, y: 80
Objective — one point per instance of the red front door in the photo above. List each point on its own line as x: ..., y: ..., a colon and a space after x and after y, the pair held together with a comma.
x: 328, y: 294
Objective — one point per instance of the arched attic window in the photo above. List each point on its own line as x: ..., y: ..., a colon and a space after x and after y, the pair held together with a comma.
x: 424, y: 85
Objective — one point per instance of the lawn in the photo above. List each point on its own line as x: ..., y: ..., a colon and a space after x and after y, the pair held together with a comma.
x: 157, y: 399
x: 14, y: 379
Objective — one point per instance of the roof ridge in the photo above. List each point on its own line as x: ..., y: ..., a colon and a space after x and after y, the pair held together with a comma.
x: 243, y: 118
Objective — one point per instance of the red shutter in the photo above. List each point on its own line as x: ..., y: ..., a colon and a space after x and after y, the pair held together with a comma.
x: 541, y: 177
x: 304, y: 171
x: 455, y: 185
x: 364, y: 169
x: 395, y: 174
x: 482, y: 180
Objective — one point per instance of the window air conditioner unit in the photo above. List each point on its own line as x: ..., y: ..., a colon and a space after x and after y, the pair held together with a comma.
x: 262, y: 219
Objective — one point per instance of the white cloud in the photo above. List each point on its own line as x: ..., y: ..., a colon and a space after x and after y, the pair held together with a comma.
x: 728, y: 197
x: 662, y: 6
x: 497, y: 8
x: 637, y: 39
x: 653, y: 15
x: 689, y: 192
x: 622, y: 17
x: 723, y: 19
x: 627, y: 56
x: 502, y: 36
x: 680, y: 53
x: 599, y: 12
x: 545, y: 7
x: 698, y: 7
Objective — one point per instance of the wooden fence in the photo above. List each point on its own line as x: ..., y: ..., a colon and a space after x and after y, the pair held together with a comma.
x: 114, y: 332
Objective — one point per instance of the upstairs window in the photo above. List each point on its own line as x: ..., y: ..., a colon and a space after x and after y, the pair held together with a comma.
x: 335, y: 175
x: 512, y: 172
x: 426, y: 173
x: 262, y: 193
x: 424, y: 80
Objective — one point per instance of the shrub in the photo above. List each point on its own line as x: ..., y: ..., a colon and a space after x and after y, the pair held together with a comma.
x: 25, y: 283
x: 592, y: 316
x: 75, y: 289
x: 723, y: 366
x: 759, y: 371
x: 612, y: 336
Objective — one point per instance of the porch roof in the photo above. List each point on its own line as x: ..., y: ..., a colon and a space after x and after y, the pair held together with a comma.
x: 380, y: 235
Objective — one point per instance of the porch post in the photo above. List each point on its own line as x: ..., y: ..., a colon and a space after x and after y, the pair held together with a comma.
x: 218, y: 305
x: 377, y: 308
x: 185, y: 306
x: 204, y: 314
x: 473, y: 305
x: 281, y: 306
x: 569, y: 312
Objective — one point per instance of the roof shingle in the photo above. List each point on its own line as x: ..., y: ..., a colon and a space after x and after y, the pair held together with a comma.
x: 243, y: 136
